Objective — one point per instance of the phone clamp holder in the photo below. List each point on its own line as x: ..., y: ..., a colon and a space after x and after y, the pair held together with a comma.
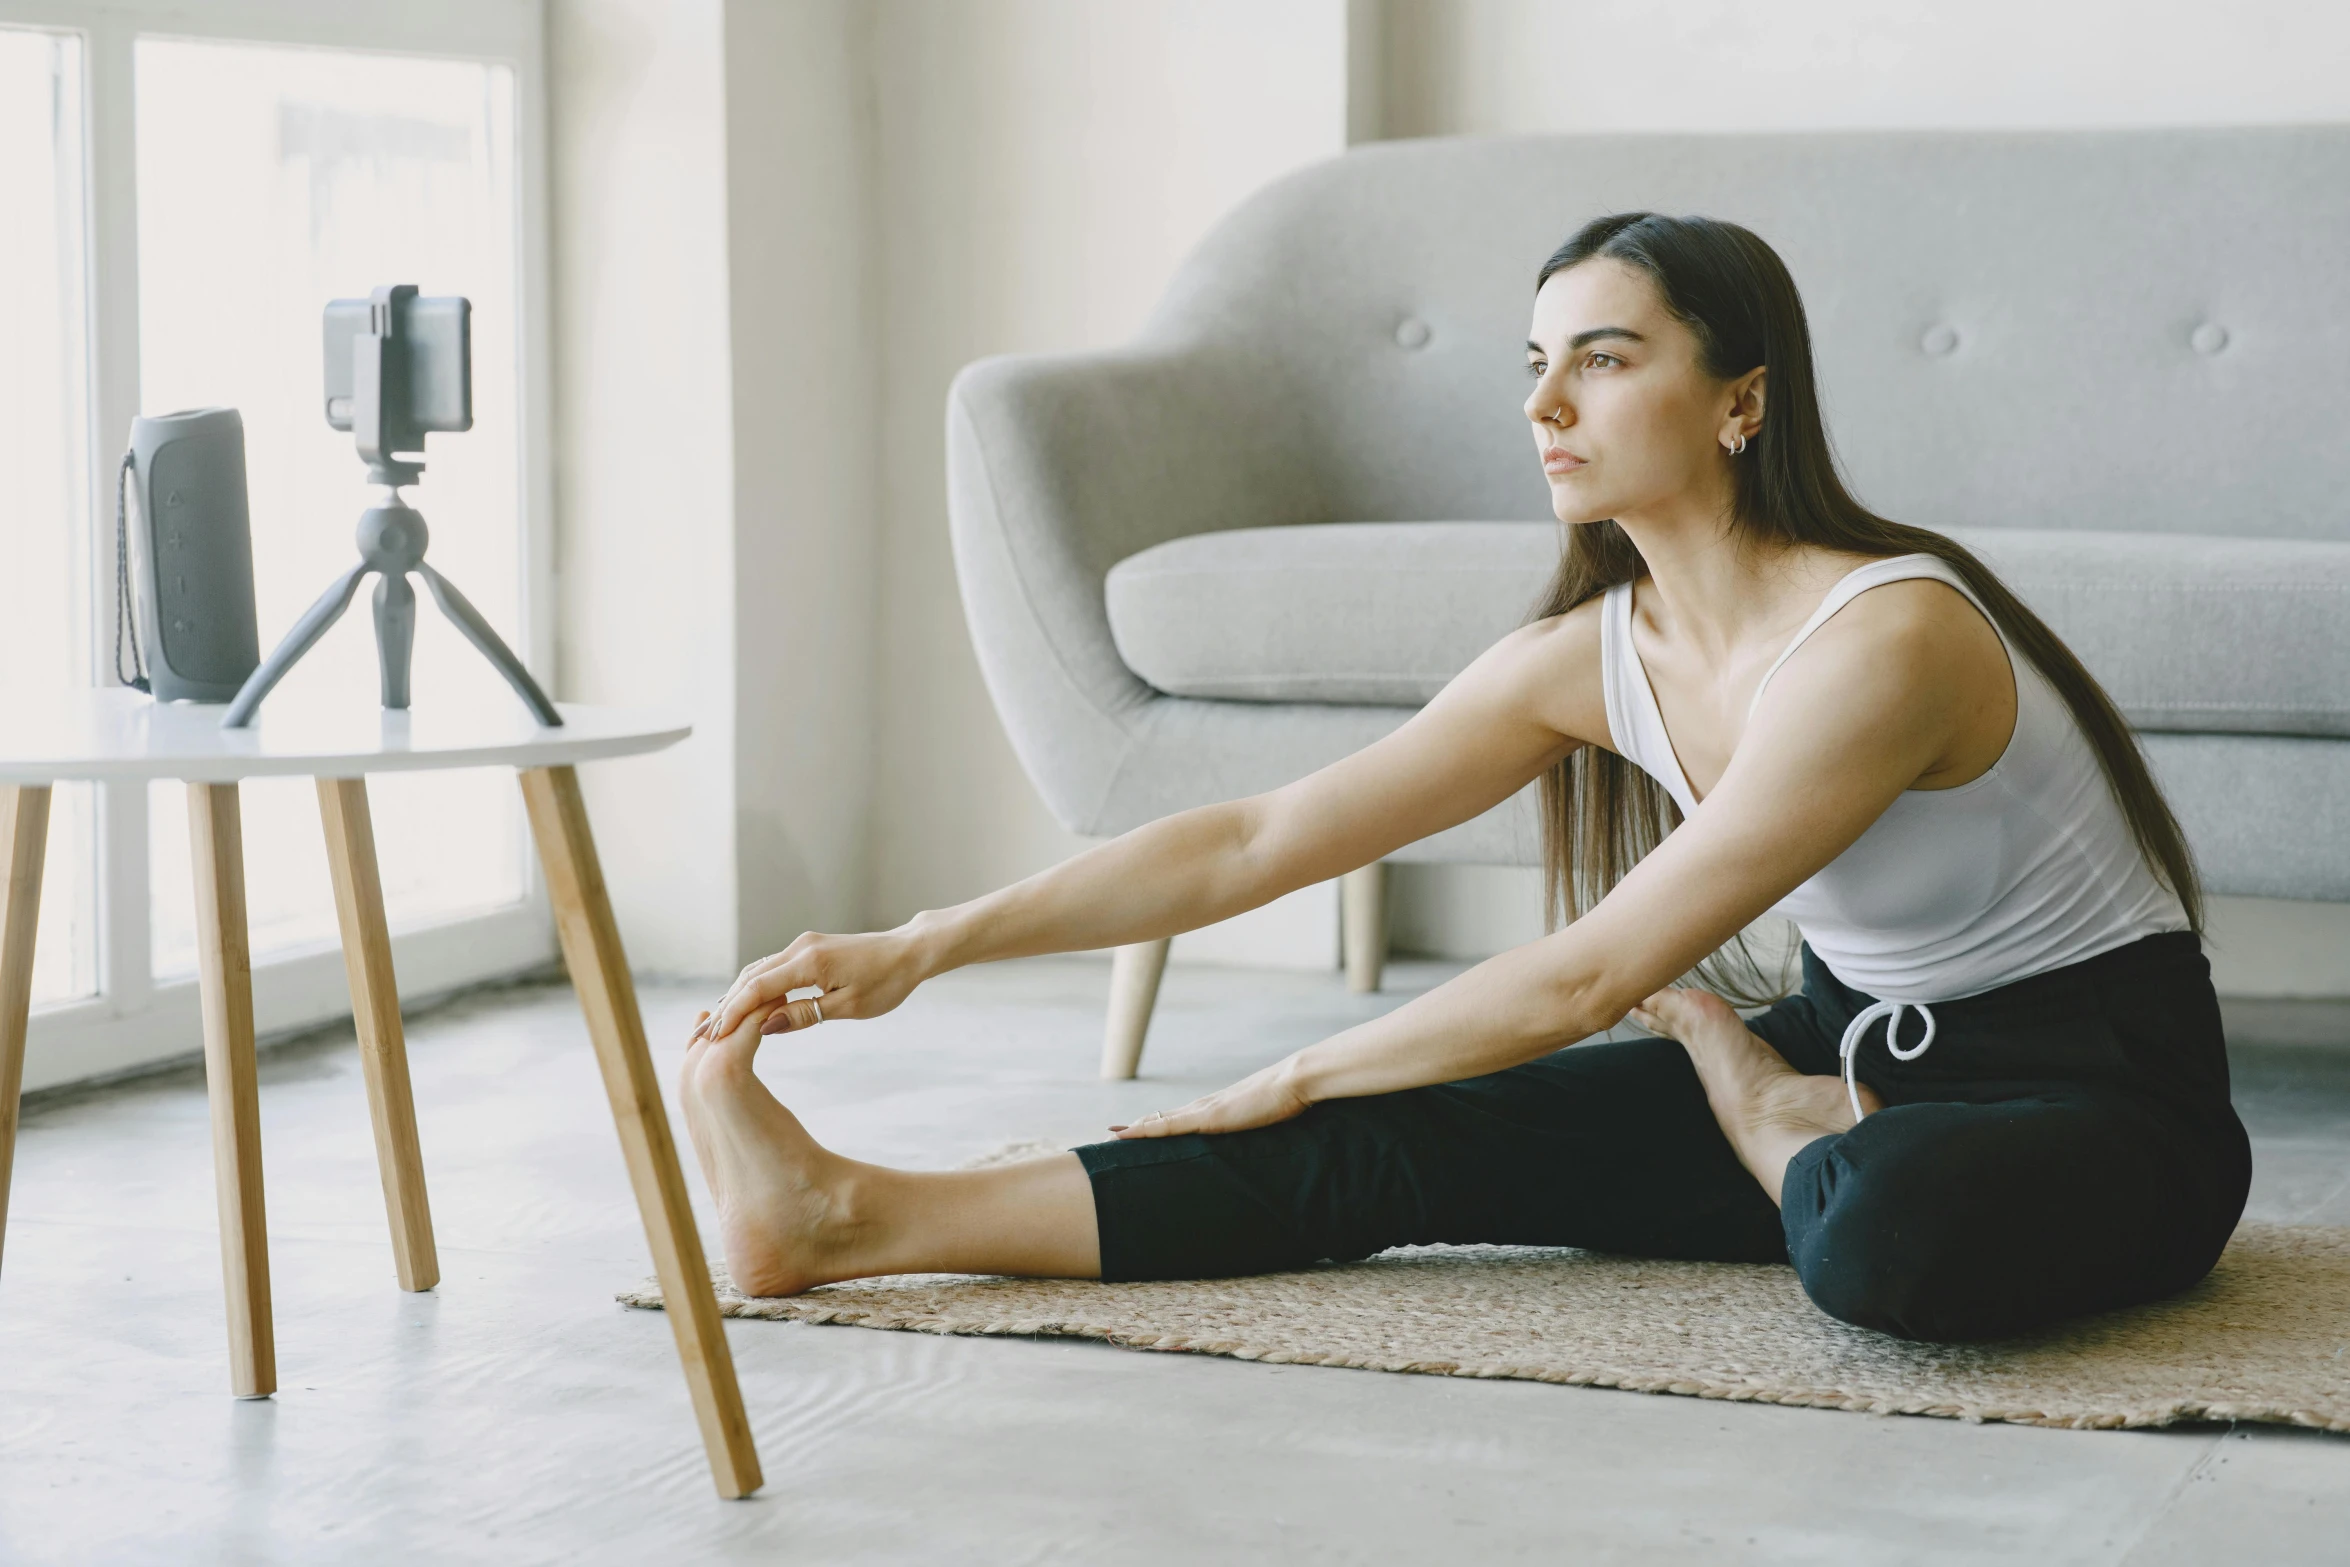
x: 397, y: 366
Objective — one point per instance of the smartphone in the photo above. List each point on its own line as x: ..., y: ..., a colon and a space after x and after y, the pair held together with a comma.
x: 434, y: 362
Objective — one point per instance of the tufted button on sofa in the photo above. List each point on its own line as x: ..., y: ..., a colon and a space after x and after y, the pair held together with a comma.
x: 2115, y: 364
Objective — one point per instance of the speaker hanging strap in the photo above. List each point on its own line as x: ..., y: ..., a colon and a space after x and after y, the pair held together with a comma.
x: 122, y: 583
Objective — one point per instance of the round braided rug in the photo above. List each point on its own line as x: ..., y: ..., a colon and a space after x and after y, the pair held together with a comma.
x: 2266, y: 1337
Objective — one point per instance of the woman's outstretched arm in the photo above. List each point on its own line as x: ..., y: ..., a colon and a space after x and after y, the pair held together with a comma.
x: 1871, y: 705
x: 1525, y: 703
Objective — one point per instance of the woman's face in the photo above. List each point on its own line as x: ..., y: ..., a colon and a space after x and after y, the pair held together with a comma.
x: 1626, y: 418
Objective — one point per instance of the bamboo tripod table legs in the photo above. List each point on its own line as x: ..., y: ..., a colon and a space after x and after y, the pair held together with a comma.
x: 231, y: 1078
x: 24, y: 840
x: 375, y: 1012
x: 216, y: 846
x: 216, y: 841
x: 599, y: 972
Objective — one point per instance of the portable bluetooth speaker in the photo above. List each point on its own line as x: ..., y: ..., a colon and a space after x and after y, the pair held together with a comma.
x: 187, y: 568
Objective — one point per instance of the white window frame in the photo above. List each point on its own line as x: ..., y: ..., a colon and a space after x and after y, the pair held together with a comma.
x: 135, y: 1020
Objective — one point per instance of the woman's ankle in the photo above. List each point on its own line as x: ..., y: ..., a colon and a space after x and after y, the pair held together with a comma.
x: 1786, y: 1117
x: 849, y: 1237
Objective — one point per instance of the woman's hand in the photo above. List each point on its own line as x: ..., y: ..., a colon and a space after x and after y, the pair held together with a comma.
x: 1259, y: 1099
x: 827, y: 978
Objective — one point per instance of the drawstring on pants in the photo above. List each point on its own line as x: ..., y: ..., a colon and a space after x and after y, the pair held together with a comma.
x: 1890, y: 1011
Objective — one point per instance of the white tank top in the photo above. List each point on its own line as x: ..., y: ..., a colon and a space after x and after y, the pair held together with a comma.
x: 1951, y: 892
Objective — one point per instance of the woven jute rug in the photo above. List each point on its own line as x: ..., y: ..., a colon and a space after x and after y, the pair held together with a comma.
x: 2265, y: 1338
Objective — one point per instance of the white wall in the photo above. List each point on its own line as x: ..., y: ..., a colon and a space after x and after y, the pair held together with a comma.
x: 780, y: 227
x: 802, y: 262
x: 1044, y: 164
x: 644, y: 466
x: 1499, y: 66
x: 717, y: 399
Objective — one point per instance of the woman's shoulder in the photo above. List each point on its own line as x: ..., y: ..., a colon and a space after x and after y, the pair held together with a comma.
x: 1574, y: 634
x: 1911, y: 615
x: 1552, y: 668
x: 1897, y: 594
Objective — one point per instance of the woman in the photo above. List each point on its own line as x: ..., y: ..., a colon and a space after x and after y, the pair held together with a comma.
x: 2000, y: 1098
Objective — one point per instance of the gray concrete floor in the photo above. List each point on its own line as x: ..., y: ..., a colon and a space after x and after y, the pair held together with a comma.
x: 517, y: 1415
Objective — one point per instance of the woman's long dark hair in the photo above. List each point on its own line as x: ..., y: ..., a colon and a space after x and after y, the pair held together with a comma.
x: 1601, y: 814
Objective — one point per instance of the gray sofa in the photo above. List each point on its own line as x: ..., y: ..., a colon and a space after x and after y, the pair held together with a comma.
x: 1208, y: 562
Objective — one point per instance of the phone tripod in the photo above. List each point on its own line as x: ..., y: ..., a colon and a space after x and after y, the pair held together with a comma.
x: 391, y: 544
x: 398, y: 366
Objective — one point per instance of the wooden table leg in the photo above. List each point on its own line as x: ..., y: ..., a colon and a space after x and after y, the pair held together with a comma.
x: 599, y: 972
x: 216, y: 844
x: 375, y: 1010
x: 24, y: 840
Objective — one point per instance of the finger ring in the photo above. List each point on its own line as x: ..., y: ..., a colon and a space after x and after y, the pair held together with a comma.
x: 819, y: 1006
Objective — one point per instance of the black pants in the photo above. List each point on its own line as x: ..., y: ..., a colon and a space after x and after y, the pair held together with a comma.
x: 2066, y: 1146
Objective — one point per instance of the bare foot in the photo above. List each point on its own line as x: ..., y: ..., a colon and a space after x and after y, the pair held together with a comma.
x: 1767, y: 1109
x: 784, y: 1203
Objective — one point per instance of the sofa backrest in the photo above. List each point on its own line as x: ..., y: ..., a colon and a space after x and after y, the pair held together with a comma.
x: 2110, y: 330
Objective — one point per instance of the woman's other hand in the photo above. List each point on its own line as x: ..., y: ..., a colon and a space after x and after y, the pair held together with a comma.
x: 820, y: 979
x: 1259, y: 1099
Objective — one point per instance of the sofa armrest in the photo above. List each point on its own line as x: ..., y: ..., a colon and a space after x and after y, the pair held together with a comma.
x: 1060, y: 466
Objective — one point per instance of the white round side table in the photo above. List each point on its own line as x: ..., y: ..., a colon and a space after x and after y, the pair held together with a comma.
x: 120, y: 736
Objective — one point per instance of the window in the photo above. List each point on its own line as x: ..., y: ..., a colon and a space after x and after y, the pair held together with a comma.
x: 44, y: 452
x: 200, y: 181
x: 270, y: 181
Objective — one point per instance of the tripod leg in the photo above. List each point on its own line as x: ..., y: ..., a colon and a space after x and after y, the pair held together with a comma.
x: 477, y: 631
x: 320, y: 615
x: 395, y: 634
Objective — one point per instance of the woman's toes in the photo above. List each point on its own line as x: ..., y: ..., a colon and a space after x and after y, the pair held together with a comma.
x: 1687, y: 1014
x: 719, y: 1056
x: 1695, y: 1007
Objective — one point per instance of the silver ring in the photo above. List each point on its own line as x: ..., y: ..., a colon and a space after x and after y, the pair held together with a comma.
x: 818, y: 1003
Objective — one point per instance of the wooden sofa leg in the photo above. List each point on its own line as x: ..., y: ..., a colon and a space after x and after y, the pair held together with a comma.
x: 1362, y: 924
x: 1134, y: 990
